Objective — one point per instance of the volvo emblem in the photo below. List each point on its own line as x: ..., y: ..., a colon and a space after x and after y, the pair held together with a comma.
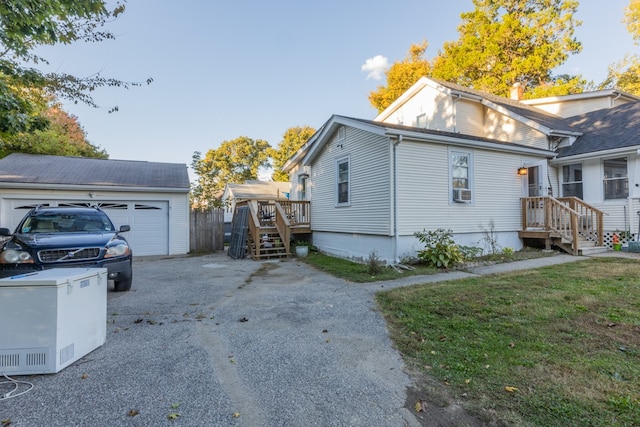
x: 71, y: 254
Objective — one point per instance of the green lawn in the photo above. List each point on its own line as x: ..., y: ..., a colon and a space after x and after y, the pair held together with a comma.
x: 552, y: 346
x: 359, y: 272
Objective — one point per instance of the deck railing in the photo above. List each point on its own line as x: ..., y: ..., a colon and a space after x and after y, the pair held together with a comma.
x: 284, y: 215
x: 568, y: 217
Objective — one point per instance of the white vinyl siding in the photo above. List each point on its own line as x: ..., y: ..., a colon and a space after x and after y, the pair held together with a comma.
x: 569, y: 108
x: 423, y: 191
x: 506, y: 129
x: 434, y: 107
x: 469, y: 117
x: 369, y: 208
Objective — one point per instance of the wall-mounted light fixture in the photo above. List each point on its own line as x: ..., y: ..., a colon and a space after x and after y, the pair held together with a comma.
x: 339, y: 145
x: 522, y: 170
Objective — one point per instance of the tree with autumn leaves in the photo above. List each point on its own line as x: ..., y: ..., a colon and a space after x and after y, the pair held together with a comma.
x: 503, y: 42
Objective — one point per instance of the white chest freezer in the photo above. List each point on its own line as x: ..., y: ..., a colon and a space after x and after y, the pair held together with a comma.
x: 51, y: 318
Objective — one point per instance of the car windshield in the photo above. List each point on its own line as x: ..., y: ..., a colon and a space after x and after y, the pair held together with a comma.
x: 66, y: 223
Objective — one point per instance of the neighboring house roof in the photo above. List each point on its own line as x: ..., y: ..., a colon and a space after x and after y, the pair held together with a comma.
x: 313, y: 147
x: 41, y: 170
x: 253, y: 190
x: 609, y: 129
x: 604, y: 93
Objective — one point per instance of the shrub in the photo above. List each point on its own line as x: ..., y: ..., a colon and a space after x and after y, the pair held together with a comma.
x: 440, y: 249
x: 507, y: 251
x: 470, y: 252
x: 374, y: 263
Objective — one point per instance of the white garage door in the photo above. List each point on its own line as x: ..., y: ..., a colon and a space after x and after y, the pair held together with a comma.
x: 149, y: 221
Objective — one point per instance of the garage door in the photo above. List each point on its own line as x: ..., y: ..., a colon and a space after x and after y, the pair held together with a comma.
x: 149, y: 221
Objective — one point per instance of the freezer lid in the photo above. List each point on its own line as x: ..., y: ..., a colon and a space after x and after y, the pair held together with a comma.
x: 52, y: 277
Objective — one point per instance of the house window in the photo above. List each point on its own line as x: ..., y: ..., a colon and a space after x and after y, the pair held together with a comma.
x: 616, y: 184
x: 572, y: 180
x: 460, y: 167
x: 421, y: 121
x: 343, y: 181
x: 302, y: 194
x: 342, y: 133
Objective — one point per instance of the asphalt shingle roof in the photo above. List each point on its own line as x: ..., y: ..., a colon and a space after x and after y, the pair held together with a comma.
x: 606, y: 129
x: 62, y: 170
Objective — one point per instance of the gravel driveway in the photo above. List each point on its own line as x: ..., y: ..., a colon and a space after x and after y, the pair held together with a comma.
x: 211, y: 341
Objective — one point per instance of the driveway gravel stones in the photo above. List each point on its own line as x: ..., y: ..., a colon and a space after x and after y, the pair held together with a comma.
x: 211, y: 341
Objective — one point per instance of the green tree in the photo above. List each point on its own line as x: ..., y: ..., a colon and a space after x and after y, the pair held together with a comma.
x: 234, y: 162
x: 27, y: 24
x: 292, y: 140
x: 503, y: 42
x: 400, y: 76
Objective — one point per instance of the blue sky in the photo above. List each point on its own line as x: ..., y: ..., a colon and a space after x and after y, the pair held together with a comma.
x: 252, y: 68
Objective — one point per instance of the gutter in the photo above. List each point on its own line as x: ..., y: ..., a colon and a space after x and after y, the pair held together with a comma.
x: 462, y: 142
x: 90, y: 187
x: 590, y: 155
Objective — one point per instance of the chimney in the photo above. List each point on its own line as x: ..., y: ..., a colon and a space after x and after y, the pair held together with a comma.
x: 516, y: 91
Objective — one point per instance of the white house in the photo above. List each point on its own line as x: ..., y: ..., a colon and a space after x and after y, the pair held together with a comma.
x: 153, y: 198
x: 446, y: 156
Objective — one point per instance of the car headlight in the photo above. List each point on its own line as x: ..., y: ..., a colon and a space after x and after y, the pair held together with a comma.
x: 120, y: 249
x: 13, y: 256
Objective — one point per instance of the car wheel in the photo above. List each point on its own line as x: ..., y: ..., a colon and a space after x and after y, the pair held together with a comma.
x: 122, y: 285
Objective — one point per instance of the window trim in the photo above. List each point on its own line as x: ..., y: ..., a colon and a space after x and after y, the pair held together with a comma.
x: 470, y: 180
x: 624, y: 179
x: 581, y: 182
x: 339, y: 161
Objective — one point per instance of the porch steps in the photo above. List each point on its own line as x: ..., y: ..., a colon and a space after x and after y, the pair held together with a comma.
x: 585, y: 247
x: 269, y: 246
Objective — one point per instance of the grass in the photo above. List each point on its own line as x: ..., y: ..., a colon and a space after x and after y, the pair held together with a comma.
x: 566, y: 338
x: 359, y: 273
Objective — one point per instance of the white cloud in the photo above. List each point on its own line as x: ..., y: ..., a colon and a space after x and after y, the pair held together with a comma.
x: 376, y: 67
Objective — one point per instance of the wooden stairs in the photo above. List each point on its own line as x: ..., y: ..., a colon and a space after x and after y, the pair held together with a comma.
x: 567, y: 223
x: 272, y: 224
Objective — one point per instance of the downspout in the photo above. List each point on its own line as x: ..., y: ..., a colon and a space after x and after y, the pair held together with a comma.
x: 394, y: 207
x: 613, y: 101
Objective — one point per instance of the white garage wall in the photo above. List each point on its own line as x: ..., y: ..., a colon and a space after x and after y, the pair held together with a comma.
x: 151, y: 233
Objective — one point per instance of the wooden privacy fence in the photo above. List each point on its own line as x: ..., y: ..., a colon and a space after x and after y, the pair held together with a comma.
x: 206, y: 230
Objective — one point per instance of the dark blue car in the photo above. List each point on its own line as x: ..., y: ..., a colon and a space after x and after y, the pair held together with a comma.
x: 50, y: 237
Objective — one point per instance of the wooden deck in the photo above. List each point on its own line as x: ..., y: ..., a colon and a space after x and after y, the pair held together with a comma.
x: 273, y: 224
x: 567, y: 222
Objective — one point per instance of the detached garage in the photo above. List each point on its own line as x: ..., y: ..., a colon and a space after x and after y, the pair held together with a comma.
x: 153, y: 198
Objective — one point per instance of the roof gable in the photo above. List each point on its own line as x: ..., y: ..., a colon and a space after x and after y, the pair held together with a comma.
x: 22, y: 168
x: 533, y: 117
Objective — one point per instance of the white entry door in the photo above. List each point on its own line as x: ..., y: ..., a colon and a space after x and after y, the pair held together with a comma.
x: 534, y: 185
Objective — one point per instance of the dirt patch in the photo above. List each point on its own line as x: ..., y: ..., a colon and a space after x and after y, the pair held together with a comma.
x: 432, y: 406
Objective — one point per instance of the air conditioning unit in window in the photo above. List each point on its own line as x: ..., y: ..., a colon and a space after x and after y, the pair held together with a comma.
x: 461, y: 195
